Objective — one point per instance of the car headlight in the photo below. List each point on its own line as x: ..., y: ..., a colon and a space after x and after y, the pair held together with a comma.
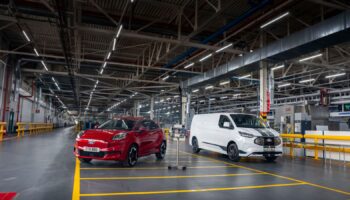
x: 247, y: 135
x: 278, y: 141
x: 81, y: 133
x: 120, y: 136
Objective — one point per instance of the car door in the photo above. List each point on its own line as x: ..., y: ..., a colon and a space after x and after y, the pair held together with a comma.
x: 156, y: 135
x: 143, y: 137
x: 223, y: 134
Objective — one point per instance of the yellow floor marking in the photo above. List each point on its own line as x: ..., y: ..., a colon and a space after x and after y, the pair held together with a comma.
x: 168, y: 177
x: 182, y: 161
x: 190, y: 191
x: 153, y: 168
x: 276, y: 175
x: 76, y: 183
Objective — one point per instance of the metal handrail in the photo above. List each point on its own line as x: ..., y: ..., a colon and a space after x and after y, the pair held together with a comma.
x: 33, y: 128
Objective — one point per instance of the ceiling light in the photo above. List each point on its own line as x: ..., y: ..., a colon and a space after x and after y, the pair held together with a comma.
x: 224, y: 47
x: 245, y: 76
x: 212, y: 99
x: 165, y: 78
x: 26, y: 36
x: 224, y: 82
x: 42, y: 62
x: 209, y: 87
x: 119, y: 30
x: 97, y: 82
x: 307, y: 80
x: 189, y: 65
x: 284, y: 85
x: 224, y: 97
x: 104, y: 64
x: 109, y: 55
x: 311, y: 57
x: 335, y: 75
x: 36, y: 52
x: 240, y: 55
x: 205, y: 57
x: 101, y: 72
x: 176, y: 96
x: 251, y: 51
x: 274, y: 20
x: 277, y: 67
x: 114, y: 42
x: 196, y: 90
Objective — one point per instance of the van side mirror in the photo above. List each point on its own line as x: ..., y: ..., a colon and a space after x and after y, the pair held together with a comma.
x: 227, y: 125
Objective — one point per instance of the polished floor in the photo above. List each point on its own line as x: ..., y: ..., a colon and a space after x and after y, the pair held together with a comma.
x: 43, y: 167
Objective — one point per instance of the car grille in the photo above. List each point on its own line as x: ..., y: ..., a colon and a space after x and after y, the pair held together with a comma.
x: 269, y: 141
x: 91, y: 154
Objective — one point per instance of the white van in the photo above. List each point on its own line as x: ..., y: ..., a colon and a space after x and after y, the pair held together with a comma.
x: 236, y: 135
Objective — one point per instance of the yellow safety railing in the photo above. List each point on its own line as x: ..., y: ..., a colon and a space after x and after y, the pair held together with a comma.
x: 166, y: 132
x: 316, y: 147
x: 2, y: 130
x: 33, y: 128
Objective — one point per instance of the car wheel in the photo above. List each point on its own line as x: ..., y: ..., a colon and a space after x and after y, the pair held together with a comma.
x: 195, y: 147
x: 132, y: 156
x: 270, y: 158
x: 233, y: 152
x: 85, y: 160
x: 162, y: 150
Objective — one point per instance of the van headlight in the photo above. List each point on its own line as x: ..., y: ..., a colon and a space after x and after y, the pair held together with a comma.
x: 259, y: 141
x: 278, y: 141
x: 247, y: 135
x: 120, y: 136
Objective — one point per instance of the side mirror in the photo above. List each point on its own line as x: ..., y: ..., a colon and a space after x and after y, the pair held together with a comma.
x: 226, y: 125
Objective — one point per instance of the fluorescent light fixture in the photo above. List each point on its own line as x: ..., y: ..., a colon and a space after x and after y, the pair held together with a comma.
x: 165, y: 78
x: 311, y: 57
x: 42, y: 62
x: 104, y: 64
x: 101, y: 72
x: 212, y: 99
x: 251, y: 51
x: 284, y: 85
x: 224, y: 82
x: 240, y: 55
x: 196, y: 90
x: 224, y: 97
x: 209, y: 87
x: 205, y: 57
x: 201, y: 101
x: 114, y: 42
x: 277, y: 67
x: 97, y: 82
x: 223, y: 48
x: 245, y: 76
x: 274, y: 20
x: 307, y: 80
x: 335, y: 75
x: 36, y: 52
x: 119, y: 30
x: 26, y: 36
x: 176, y: 96
x: 109, y: 55
x: 189, y: 65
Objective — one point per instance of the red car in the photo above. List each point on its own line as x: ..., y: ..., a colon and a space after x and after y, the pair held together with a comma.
x: 123, y: 139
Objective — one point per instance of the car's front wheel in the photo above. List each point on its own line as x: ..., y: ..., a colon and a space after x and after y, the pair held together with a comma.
x: 162, y: 150
x: 132, y: 156
x: 233, y: 152
x: 85, y: 160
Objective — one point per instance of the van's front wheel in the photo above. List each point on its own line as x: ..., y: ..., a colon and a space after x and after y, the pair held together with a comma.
x: 233, y: 152
x: 195, y: 147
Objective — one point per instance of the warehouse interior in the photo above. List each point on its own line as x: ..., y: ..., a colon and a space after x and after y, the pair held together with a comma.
x: 69, y: 66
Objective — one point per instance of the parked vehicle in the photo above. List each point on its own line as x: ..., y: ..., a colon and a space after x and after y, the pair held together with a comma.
x: 125, y: 139
x: 236, y: 135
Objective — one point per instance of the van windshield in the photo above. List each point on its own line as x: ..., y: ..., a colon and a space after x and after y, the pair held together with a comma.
x: 247, y: 121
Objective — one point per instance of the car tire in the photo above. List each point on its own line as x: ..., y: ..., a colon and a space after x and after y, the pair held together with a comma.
x: 131, y: 157
x: 85, y: 160
x: 195, y: 147
x: 233, y: 152
x: 270, y: 158
x: 162, y: 150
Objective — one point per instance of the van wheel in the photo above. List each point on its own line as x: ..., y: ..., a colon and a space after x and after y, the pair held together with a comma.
x: 233, y: 152
x: 162, y: 150
x: 270, y: 158
x: 131, y: 158
x: 195, y: 147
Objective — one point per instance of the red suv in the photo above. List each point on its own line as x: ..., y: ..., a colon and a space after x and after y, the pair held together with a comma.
x: 124, y: 139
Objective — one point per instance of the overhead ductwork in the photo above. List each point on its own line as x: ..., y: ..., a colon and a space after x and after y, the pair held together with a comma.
x: 330, y: 32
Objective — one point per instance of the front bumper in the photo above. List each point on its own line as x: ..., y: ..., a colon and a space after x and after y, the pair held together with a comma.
x: 112, y: 153
x: 250, y: 149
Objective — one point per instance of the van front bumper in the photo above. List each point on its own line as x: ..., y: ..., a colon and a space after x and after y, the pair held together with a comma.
x: 248, y: 150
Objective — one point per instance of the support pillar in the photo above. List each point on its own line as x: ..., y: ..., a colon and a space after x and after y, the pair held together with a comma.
x: 264, y: 84
x: 151, y: 111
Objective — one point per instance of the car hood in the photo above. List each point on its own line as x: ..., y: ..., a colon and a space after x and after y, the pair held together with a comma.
x: 101, y: 134
x: 265, y: 132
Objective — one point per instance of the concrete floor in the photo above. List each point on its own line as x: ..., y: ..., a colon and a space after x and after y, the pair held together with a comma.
x: 43, y: 167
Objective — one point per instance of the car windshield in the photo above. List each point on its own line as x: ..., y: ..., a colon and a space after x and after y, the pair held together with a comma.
x: 118, y: 124
x: 247, y: 121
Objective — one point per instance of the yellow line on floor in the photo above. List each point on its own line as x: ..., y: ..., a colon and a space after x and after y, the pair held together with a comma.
x: 76, y: 181
x: 276, y: 175
x: 167, y: 177
x: 154, y: 168
x: 190, y: 191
